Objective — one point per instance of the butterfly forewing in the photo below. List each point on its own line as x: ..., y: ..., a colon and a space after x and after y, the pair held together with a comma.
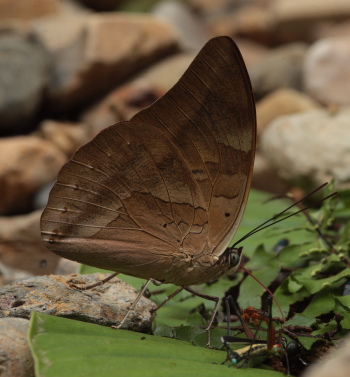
x: 210, y: 115
x: 146, y: 197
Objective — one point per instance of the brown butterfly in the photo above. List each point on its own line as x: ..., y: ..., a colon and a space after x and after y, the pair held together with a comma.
x: 162, y: 195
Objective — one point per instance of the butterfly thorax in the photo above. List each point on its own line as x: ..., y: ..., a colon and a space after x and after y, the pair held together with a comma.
x: 197, y: 269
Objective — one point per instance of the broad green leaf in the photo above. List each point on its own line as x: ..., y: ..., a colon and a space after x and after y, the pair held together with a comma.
x: 62, y: 347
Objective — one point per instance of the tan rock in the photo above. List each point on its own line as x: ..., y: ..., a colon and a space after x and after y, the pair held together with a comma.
x: 68, y: 137
x: 26, y: 164
x: 298, y: 19
x: 327, y: 71
x: 335, y: 364
x: 122, y: 104
x: 21, y: 247
x: 100, y: 51
x: 299, y: 10
x: 282, y: 102
x: 251, y: 21
x: 16, y: 358
x: 149, y: 85
x: 27, y: 9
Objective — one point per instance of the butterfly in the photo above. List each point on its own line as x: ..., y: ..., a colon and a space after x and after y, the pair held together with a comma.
x: 161, y: 196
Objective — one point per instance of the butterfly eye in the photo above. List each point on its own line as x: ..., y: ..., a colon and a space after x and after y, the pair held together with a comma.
x: 235, y: 258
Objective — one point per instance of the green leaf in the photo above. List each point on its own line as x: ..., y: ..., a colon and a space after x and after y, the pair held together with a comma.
x: 321, y: 303
x: 62, y: 347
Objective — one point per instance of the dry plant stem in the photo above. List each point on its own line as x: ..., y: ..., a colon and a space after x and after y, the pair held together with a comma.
x: 108, y: 278
x: 206, y: 297
x: 132, y: 306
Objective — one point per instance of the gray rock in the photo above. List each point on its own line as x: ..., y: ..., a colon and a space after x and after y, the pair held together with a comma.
x: 192, y: 33
x: 310, y: 147
x: 280, y: 68
x: 105, y: 305
x: 9, y: 274
x: 15, y: 356
x: 24, y: 73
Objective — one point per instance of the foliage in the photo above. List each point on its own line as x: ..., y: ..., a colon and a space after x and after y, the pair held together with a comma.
x: 308, y: 276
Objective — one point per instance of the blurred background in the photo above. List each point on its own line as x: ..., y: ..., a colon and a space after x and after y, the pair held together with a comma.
x: 70, y: 68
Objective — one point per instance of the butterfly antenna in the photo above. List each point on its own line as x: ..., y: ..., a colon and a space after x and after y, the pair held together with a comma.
x: 266, y: 224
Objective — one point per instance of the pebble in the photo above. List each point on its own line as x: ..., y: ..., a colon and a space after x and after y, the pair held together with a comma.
x: 104, y: 305
x: 335, y: 364
x: 67, y: 136
x: 27, y: 9
x: 310, y: 147
x: 26, y: 164
x: 9, y: 274
x: 282, y: 102
x: 191, y: 32
x: 130, y: 98
x: 88, y: 62
x: 15, y: 356
x: 21, y: 247
x: 279, y: 68
x: 24, y: 67
x: 327, y: 71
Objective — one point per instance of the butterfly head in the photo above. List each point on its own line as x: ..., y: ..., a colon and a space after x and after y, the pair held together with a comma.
x: 234, y: 255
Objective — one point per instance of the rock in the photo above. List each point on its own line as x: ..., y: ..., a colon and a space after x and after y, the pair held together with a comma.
x: 21, y: 247
x: 300, y: 10
x: 67, y: 267
x: 331, y: 30
x: 298, y: 19
x: 26, y: 164
x: 102, y: 5
x: 192, y: 33
x: 99, y: 51
x: 67, y: 136
x: 9, y: 274
x: 122, y: 104
x: 104, y: 305
x: 15, y: 356
x: 310, y: 147
x: 24, y: 74
x: 327, y: 71
x: 335, y: 364
x: 41, y: 197
x: 282, y: 102
x: 132, y: 97
x: 209, y: 6
x: 27, y: 9
x: 280, y: 68
x: 250, y: 21
x: 266, y: 178
x: 251, y: 51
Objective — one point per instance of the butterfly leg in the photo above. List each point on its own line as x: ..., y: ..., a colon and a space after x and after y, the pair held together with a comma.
x: 132, y: 306
x: 206, y: 297
x: 169, y: 298
x: 101, y: 282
